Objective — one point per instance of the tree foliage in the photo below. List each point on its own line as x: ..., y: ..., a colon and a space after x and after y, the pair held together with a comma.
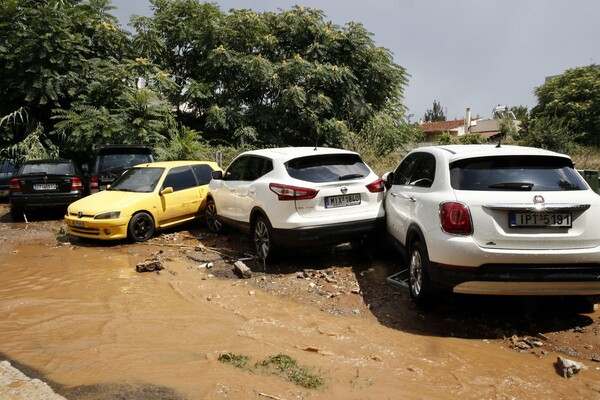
x: 45, y: 57
x: 435, y: 114
x: 573, y: 100
x: 286, y: 78
x: 72, y: 78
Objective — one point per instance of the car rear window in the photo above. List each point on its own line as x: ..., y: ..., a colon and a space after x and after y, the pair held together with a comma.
x: 48, y: 168
x: 327, y: 168
x: 515, y: 173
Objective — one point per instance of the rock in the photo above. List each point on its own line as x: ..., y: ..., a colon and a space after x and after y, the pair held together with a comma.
x: 242, y: 269
x: 568, y: 368
x: 149, y: 266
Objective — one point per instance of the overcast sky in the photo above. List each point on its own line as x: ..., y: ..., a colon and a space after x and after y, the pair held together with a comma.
x: 462, y: 53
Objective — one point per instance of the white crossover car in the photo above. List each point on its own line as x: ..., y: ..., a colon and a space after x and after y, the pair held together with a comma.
x: 296, y: 196
x: 491, y: 219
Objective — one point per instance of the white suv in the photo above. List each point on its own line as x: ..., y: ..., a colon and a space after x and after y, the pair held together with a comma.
x: 296, y: 196
x: 487, y: 219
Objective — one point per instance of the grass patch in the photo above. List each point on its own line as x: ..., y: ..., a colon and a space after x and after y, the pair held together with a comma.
x: 287, y: 367
x: 280, y: 365
x: 237, y: 360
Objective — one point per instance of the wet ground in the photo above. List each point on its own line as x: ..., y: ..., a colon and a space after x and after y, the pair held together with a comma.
x: 78, y: 315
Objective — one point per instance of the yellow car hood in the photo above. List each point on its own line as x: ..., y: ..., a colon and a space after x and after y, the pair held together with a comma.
x: 108, y: 200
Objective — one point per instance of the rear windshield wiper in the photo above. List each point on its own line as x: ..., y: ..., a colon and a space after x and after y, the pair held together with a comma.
x: 519, y: 186
x: 350, y: 176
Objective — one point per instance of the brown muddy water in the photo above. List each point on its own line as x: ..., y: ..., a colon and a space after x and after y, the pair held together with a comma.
x: 94, y: 328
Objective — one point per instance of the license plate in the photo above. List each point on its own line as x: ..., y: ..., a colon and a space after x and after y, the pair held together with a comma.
x: 78, y: 224
x: 344, y: 200
x: 44, y: 186
x: 561, y: 220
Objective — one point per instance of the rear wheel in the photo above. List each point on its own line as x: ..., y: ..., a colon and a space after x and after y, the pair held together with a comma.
x: 212, y: 218
x: 262, y: 236
x: 141, y: 227
x: 421, y: 288
x: 16, y: 214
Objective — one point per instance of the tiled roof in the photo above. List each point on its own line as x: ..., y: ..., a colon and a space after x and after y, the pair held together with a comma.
x: 442, y: 125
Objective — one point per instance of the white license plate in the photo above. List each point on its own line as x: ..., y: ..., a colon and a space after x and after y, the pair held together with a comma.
x: 561, y: 220
x: 344, y: 200
x: 44, y: 186
x: 78, y: 224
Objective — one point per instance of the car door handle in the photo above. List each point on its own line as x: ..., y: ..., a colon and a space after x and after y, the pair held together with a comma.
x: 252, y: 191
x: 403, y: 196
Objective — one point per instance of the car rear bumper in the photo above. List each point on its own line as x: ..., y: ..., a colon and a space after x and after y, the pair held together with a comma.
x: 522, y: 279
x: 328, y: 234
x: 22, y: 202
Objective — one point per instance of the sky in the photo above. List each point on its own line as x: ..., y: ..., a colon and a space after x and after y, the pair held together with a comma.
x: 463, y: 54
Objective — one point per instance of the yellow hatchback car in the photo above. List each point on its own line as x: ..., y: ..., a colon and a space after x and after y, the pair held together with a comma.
x: 144, y: 199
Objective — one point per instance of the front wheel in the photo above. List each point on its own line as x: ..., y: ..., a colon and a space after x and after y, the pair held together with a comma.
x: 141, y: 227
x: 212, y: 218
x: 421, y: 288
x: 262, y: 236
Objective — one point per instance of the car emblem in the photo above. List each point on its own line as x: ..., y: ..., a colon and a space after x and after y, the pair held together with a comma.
x: 538, y: 199
x: 79, y: 214
x: 344, y: 190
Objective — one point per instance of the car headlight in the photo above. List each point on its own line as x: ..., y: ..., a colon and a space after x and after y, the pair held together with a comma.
x: 108, y: 215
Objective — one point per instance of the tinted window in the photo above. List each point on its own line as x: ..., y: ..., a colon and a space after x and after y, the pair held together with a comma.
x: 327, y: 168
x: 510, y: 173
x: 180, y: 178
x: 256, y: 167
x: 403, y: 173
x: 235, y: 170
x: 203, y: 173
x: 424, y: 171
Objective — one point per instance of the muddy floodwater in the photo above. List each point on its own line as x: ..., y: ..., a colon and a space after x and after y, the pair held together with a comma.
x: 79, y: 316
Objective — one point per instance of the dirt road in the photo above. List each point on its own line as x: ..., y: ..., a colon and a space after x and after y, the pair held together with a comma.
x: 78, y: 315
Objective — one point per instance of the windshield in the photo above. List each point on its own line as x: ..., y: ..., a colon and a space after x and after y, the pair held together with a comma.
x: 516, y: 173
x: 143, y: 180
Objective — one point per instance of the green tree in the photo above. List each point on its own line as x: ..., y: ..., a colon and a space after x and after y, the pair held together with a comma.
x: 435, y: 114
x: 286, y: 78
x: 549, y: 133
x: 45, y: 57
x: 124, y: 103
x: 573, y: 99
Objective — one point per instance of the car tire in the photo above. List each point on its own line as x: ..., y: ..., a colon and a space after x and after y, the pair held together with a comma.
x: 419, y: 284
x: 212, y: 217
x: 141, y: 227
x: 16, y: 214
x: 262, y: 237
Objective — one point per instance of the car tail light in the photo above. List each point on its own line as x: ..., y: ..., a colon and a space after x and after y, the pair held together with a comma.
x: 376, y: 186
x: 94, y: 185
x: 456, y: 218
x: 14, y: 186
x: 287, y: 192
x: 76, y: 184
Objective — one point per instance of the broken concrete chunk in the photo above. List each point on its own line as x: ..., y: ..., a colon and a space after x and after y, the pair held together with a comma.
x: 568, y: 368
x: 149, y: 266
x: 242, y: 269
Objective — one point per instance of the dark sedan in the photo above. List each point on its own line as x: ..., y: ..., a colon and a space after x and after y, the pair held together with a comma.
x: 45, y: 184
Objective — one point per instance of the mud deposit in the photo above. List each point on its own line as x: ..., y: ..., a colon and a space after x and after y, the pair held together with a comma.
x: 77, y: 315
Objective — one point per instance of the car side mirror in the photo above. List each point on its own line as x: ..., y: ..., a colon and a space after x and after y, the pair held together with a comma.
x: 387, y: 179
x: 218, y: 175
x: 166, y: 190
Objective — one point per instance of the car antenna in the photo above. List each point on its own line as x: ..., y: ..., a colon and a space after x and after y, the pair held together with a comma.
x: 499, y: 142
x: 317, y: 142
